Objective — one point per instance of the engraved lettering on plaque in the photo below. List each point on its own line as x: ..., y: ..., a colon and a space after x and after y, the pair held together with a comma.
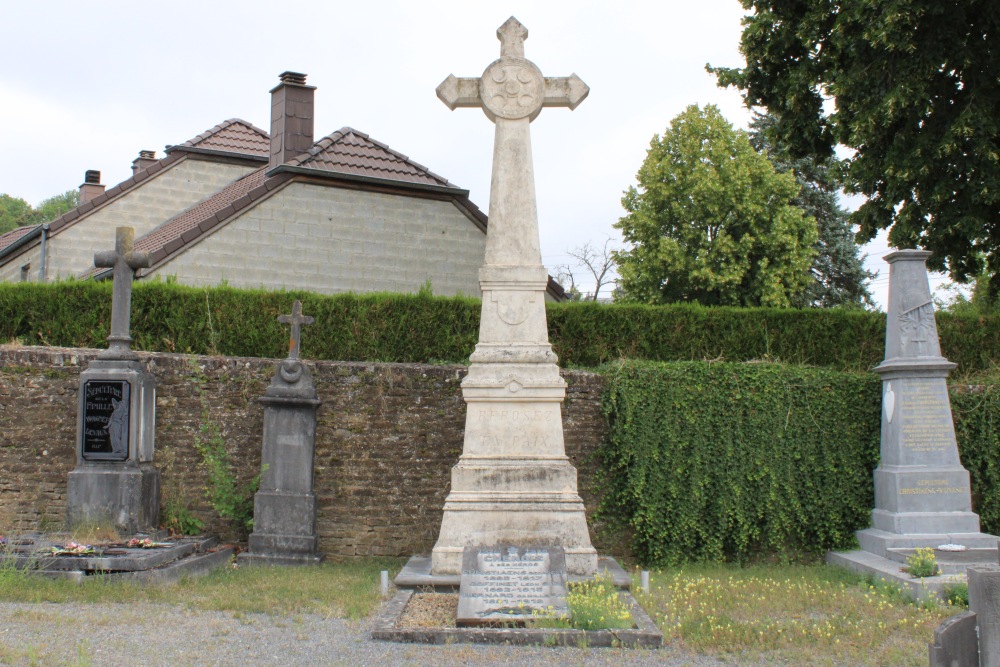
x: 926, y: 424
x: 106, y: 408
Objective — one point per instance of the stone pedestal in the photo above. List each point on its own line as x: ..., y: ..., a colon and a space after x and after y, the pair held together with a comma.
x: 114, y: 482
x: 285, y: 507
x: 513, y: 484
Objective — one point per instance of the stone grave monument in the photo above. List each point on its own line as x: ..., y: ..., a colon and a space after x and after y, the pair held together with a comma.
x: 513, y: 485
x: 114, y: 481
x: 922, y: 494
x: 284, y: 513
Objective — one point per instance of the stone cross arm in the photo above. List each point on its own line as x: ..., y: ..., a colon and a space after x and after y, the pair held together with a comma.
x: 123, y: 250
x: 568, y: 91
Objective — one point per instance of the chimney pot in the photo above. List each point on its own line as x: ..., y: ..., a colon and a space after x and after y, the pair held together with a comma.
x: 92, y: 176
x: 145, y: 159
x: 292, y: 109
x: 293, y: 77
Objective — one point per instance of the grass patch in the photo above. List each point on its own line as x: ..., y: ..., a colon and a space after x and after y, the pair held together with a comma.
x: 815, y: 615
x: 337, y: 590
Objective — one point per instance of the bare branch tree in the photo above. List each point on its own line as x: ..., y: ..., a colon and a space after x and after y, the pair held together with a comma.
x: 600, y: 262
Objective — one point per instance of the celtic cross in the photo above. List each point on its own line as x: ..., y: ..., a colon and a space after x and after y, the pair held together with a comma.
x: 512, y: 92
x: 296, y: 319
x: 124, y: 260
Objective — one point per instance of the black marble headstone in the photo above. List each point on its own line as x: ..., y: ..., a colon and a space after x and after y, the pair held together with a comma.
x: 106, y: 414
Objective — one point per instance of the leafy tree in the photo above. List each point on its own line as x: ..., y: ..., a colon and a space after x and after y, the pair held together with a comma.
x: 53, y: 207
x: 712, y: 221
x: 14, y: 212
x: 916, y: 86
x: 838, y: 274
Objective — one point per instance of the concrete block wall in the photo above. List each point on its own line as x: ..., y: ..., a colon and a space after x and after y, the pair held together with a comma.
x: 153, y: 202
x: 386, y: 440
x: 328, y: 240
x: 10, y: 272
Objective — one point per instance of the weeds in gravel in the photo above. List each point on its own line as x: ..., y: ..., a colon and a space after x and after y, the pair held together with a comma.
x: 812, y: 615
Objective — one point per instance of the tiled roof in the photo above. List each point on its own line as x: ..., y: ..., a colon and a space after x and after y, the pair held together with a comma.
x: 176, y: 227
x: 348, y: 151
x: 234, y: 136
x: 11, y: 237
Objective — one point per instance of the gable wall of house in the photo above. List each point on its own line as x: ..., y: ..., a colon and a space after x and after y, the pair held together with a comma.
x: 71, y: 252
x: 328, y: 239
x: 10, y: 271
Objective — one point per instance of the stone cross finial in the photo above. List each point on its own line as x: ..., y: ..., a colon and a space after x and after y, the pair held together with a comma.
x: 296, y: 319
x: 124, y: 260
x: 512, y: 35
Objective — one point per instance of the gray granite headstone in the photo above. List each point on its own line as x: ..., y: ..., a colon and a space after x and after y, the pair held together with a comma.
x: 114, y: 482
x: 509, y: 585
x: 984, y: 601
x: 955, y: 643
x: 284, y: 529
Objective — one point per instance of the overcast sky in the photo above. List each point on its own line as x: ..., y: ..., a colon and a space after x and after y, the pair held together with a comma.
x: 87, y: 85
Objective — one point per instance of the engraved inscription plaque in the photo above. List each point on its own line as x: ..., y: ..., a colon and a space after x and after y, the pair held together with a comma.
x: 106, y: 415
x: 506, y: 585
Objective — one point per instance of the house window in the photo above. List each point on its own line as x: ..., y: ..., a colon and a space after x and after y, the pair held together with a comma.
x: 26, y: 273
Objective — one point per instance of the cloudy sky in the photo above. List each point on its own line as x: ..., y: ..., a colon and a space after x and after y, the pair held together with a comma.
x: 87, y: 85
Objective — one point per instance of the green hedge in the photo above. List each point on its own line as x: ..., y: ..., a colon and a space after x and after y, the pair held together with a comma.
x: 419, y: 328
x: 976, y: 411
x: 722, y: 461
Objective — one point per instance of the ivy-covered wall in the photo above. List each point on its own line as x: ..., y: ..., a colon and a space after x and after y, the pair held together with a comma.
x: 723, y: 461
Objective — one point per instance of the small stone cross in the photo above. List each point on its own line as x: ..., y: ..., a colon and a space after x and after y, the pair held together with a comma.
x: 296, y: 319
x: 124, y: 260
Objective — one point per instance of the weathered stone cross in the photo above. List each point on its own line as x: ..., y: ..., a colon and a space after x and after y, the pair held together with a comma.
x: 125, y: 261
x: 512, y: 92
x: 296, y: 319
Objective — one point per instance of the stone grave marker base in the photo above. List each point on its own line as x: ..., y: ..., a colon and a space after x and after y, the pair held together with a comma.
x: 123, y: 495
x: 184, y: 556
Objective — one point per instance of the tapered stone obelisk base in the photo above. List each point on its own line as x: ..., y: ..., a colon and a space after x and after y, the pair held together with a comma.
x: 922, y: 494
x: 513, y: 484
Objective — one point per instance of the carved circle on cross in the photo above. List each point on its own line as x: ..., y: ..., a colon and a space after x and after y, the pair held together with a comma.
x: 512, y: 88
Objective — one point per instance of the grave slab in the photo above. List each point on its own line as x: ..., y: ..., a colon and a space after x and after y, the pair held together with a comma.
x: 510, y: 585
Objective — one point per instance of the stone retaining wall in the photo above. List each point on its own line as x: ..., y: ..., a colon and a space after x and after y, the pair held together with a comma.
x: 387, y: 437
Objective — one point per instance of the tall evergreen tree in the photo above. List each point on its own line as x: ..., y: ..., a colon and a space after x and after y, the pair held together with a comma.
x: 839, y: 276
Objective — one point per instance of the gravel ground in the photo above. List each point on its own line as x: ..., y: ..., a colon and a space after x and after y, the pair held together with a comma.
x: 149, y: 634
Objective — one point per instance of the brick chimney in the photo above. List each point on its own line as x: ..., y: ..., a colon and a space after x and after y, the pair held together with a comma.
x: 291, y: 118
x: 91, y: 186
x: 145, y: 159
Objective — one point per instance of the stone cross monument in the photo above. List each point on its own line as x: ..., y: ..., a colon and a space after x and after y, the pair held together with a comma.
x: 922, y: 494
x: 284, y: 514
x: 114, y: 482
x: 513, y: 484
x: 125, y: 261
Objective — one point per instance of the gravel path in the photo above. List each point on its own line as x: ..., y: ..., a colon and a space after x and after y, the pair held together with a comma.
x: 149, y: 634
